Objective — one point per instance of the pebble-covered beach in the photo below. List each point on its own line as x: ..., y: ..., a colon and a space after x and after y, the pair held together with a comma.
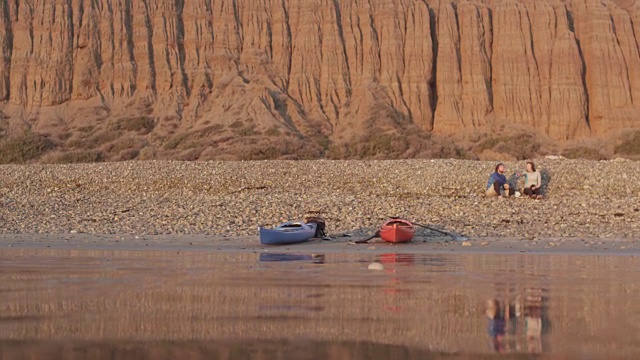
x: 583, y: 199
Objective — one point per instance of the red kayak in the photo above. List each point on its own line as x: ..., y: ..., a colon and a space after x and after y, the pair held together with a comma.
x: 397, y: 231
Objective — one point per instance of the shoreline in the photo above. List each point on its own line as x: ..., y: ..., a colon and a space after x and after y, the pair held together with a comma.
x: 344, y: 245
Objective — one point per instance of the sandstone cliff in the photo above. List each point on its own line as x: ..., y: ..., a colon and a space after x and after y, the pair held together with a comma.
x: 205, y: 77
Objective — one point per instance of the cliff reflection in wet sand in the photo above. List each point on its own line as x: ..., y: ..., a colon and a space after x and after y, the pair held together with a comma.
x: 193, y: 305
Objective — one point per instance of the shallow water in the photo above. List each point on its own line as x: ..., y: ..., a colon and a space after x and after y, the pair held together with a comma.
x: 99, y: 304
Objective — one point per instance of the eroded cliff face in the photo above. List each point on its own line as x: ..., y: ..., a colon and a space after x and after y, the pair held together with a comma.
x: 239, y: 72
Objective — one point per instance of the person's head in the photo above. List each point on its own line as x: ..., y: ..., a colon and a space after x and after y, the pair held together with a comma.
x: 500, y: 169
x: 531, y: 166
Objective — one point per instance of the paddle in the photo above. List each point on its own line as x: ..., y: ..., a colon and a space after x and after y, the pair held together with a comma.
x: 457, y: 238
x: 364, y: 241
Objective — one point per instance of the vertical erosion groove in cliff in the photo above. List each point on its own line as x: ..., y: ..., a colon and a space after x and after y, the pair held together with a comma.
x: 325, y: 69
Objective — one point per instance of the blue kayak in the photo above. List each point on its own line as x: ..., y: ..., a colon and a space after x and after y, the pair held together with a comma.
x: 290, y: 232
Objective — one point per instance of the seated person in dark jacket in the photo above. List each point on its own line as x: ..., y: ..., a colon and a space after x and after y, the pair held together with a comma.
x: 497, y: 184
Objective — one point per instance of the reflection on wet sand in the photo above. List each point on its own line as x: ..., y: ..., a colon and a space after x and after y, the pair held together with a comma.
x: 315, y: 258
x: 433, y: 304
x: 228, y: 350
x: 518, y: 324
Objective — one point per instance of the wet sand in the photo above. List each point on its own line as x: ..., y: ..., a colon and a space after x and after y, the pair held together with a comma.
x: 70, y: 300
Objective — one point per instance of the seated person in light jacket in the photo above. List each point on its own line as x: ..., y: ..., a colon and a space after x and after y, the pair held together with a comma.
x: 532, y: 181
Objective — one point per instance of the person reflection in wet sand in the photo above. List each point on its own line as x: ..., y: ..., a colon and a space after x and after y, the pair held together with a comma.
x: 519, y: 325
x: 497, y: 324
x: 533, y: 321
x: 536, y: 322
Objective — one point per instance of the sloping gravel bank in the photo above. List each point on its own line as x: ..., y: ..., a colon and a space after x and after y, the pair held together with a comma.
x: 583, y: 198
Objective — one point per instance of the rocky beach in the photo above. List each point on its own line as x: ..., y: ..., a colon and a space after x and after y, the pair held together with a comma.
x: 583, y: 199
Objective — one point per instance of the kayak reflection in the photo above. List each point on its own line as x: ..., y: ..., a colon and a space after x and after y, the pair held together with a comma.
x: 276, y: 257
